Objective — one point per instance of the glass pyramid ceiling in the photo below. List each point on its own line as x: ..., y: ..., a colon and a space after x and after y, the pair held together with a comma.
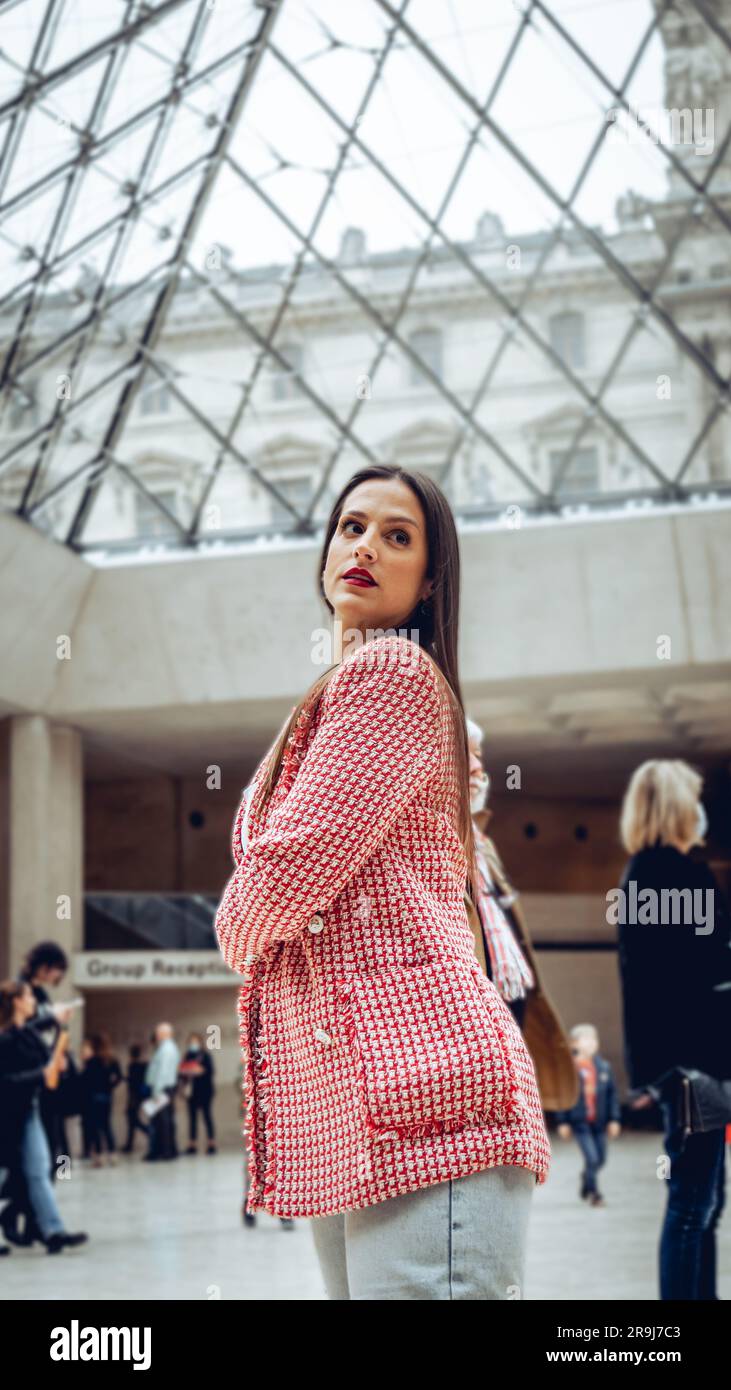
x: 246, y: 247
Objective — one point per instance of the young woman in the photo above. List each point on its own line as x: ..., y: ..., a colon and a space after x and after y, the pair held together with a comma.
x: 389, y: 1094
x: 26, y: 1068
x: 674, y: 1016
x: 44, y: 968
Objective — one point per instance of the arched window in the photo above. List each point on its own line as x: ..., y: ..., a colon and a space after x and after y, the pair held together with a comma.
x: 23, y: 411
x: 294, y: 465
x: 568, y: 338
x: 297, y: 489
x: 149, y: 520
x: 284, y: 385
x: 428, y: 343
x: 155, y: 399
x: 580, y: 477
x: 168, y: 480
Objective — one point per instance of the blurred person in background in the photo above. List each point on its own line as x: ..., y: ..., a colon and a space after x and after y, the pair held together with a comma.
x: 674, y: 1014
x: 597, y: 1112
x: 44, y: 968
x: 136, y: 1089
x: 161, y: 1077
x: 86, y: 1051
x: 504, y: 950
x: 196, y: 1069
x: 26, y: 1068
x: 102, y: 1074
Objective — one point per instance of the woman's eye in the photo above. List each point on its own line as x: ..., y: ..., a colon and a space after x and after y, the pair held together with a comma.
x: 402, y: 534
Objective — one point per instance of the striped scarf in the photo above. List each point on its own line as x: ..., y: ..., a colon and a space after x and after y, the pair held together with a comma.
x: 511, y: 973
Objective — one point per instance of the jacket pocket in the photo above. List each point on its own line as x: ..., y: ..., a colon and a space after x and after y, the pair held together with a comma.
x: 431, y: 1049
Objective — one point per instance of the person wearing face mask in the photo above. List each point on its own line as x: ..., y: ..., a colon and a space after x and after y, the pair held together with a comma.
x: 503, y: 949
x: 197, y: 1070
x: 674, y: 932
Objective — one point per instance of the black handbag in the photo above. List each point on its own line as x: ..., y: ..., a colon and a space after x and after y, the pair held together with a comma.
x: 699, y: 1102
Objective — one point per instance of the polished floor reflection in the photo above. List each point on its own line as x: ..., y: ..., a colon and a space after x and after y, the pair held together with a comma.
x: 174, y: 1230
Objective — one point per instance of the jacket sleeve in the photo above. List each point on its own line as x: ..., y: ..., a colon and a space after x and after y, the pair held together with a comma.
x: 637, y: 1064
x: 376, y: 745
x: 43, y: 1021
x: 719, y: 963
x: 23, y: 1057
x: 614, y: 1109
x: 45, y: 1016
x: 24, y: 1078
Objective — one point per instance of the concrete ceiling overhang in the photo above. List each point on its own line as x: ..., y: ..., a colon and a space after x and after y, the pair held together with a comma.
x: 562, y: 628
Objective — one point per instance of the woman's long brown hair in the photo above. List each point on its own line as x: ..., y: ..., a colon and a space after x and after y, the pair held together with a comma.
x: 10, y: 990
x: 436, y: 623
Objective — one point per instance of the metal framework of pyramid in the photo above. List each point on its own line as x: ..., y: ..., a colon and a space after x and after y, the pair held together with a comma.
x: 126, y: 128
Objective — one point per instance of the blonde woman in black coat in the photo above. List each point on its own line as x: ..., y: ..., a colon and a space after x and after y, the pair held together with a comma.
x: 674, y: 931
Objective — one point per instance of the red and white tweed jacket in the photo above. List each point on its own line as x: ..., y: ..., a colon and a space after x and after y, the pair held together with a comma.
x: 377, y: 1056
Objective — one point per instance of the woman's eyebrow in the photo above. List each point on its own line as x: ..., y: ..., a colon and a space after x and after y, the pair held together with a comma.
x: 408, y: 519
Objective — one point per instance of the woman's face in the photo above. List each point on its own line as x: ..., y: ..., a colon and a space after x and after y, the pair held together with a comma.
x: 50, y: 975
x: 382, y: 530
x: 479, y: 780
x: 476, y: 769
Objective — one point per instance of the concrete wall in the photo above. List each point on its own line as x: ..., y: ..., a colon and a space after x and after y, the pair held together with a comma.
x: 567, y: 602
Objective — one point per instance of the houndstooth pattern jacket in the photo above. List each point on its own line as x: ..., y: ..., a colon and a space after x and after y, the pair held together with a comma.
x: 378, y: 1058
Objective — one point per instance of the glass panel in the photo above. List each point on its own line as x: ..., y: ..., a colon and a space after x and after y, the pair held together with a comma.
x: 489, y: 242
x: 149, y: 922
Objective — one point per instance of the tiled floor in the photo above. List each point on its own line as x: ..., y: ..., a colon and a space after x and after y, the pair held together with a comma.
x: 174, y: 1231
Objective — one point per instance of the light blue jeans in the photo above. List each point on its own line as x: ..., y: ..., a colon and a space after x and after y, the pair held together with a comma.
x: 460, y: 1239
x: 36, y: 1161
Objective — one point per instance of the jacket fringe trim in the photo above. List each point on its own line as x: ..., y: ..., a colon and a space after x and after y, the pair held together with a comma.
x: 256, y: 1093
